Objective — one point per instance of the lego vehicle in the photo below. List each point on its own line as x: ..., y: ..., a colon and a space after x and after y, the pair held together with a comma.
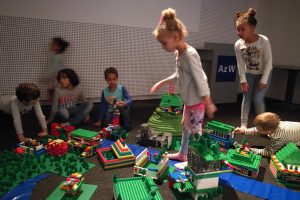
x: 72, y: 184
x: 31, y: 147
x: 220, y: 132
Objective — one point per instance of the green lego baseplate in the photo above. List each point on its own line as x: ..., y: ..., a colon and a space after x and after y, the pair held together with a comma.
x: 87, y: 191
x: 165, y: 122
x: 82, y: 133
x: 186, y: 187
x: 219, y: 126
x: 15, y: 168
x: 206, y: 147
x: 247, y: 161
x: 135, y: 188
x: 289, y: 154
x: 170, y: 100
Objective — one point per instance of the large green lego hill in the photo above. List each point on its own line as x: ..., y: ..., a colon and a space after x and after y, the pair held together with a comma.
x: 163, y: 121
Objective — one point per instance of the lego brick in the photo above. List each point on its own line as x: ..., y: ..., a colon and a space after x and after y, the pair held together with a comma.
x: 247, y: 161
x: 86, y: 134
x: 219, y: 126
x: 135, y: 188
x: 87, y: 192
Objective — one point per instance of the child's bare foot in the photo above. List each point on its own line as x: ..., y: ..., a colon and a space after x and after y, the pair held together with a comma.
x: 86, y: 119
x: 97, y: 124
x: 178, y: 156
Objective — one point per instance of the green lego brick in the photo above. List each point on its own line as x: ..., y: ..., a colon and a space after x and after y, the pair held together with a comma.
x: 165, y: 122
x: 15, y: 168
x: 207, y: 148
x: 135, y: 188
x: 82, y: 133
x: 289, y: 153
x: 184, y: 188
x: 87, y: 192
x: 219, y: 126
x: 170, y: 100
x: 249, y: 161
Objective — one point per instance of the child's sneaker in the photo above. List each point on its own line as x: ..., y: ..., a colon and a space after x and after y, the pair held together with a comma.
x: 178, y: 156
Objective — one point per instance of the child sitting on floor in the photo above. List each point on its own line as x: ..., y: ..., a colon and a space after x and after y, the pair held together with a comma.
x: 27, y: 97
x: 69, y: 103
x: 114, y: 94
x: 279, y: 132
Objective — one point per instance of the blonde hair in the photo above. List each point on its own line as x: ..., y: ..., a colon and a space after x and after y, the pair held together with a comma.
x: 170, y: 23
x: 267, y: 121
x: 246, y: 17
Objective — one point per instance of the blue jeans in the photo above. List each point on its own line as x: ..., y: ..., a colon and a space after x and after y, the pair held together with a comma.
x: 124, y: 117
x: 74, y: 115
x: 255, y: 95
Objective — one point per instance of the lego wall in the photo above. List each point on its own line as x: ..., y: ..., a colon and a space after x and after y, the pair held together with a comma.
x: 99, y: 39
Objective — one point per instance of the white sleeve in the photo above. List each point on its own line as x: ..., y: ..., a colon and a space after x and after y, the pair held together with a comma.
x: 240, y: 64
x: 15, y: 111
x: 267, y: 61
x: 40, y: 115
x: 199, y: 76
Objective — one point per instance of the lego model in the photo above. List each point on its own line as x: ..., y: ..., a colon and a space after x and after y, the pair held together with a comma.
x: 30, y: 165
x: 205, y: 164
x: 57, y: 147
x: 113, y: 132
x: 285, y: 165
x: 73, y: 188
x: 85, y: 141
x: 72, y: 184
x: 220, y: 132
x: 135, y: 188
x: 59, y: 132
x: 118, y: 155
x: 148, y: 137
x: 31, y: 147
x: 243, y: 161
x: 154, y: 166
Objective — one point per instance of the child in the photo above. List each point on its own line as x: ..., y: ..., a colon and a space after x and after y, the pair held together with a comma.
x: 58, y: 46
x: 27, y: 97
x: 193, y: 85
x: 66, y: 101
x: 119, y: 94
x: 279, y: 132
x: 254, y: 60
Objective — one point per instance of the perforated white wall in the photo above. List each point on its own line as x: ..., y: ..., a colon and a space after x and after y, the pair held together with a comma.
x: 139, y: 58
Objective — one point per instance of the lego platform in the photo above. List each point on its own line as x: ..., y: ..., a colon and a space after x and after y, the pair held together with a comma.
x: 87, y: 192
x: 14, y: 168
x: 227, y: 113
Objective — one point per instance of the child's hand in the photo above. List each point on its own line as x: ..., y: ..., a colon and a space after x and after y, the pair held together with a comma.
x: 22, y: 138
x: 261, y: 86
x: 49, y: 121
x: 43, y: 133
x: 244, y: 87
x: 210, y: 110
x: 121, y: 104
x: 98, y: 123
x: 239, y: 130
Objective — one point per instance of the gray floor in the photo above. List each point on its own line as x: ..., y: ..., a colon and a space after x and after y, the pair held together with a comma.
x: 140, y: 112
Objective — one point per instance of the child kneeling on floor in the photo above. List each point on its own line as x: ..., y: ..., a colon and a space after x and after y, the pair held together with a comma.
x: 279, y: 132
x: 69, y: 103
x: 114, y: 95
x: 27, y: 97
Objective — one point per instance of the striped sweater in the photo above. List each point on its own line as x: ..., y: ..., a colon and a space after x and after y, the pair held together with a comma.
x: 285, y: 133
